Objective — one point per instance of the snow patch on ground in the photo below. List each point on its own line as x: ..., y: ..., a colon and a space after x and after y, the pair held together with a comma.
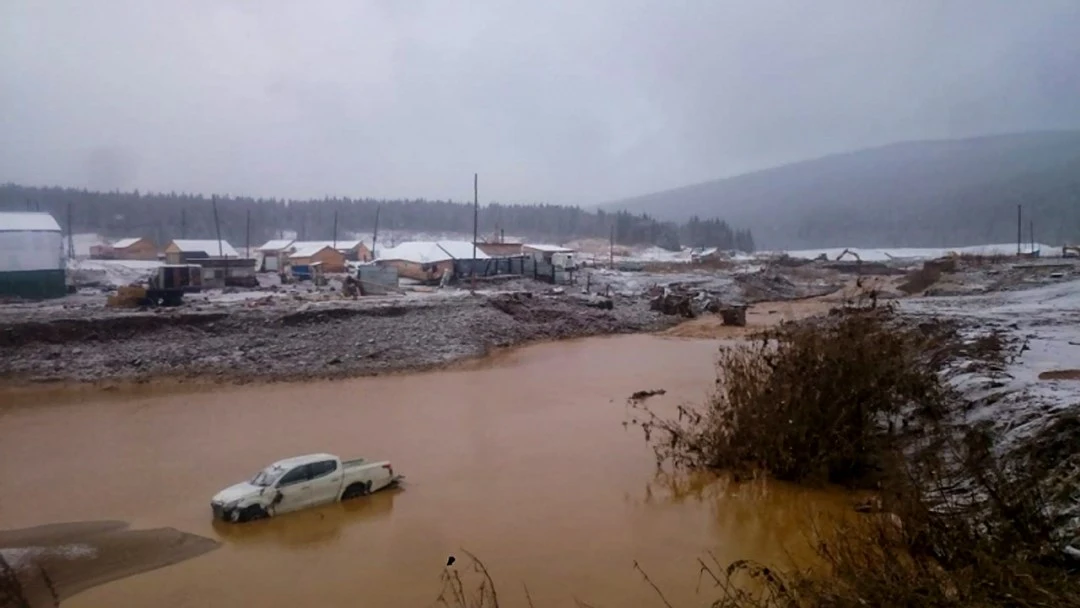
x: 113, y: 273
x: 913, y: 253
x: 1043, y: 326
x: 1046, y: 321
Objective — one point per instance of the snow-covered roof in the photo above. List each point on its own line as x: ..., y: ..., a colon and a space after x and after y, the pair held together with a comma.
x: 276, y: 245
x: 549, y: 248
x: 29, y: 221
x: 207, y: 246
x: 340, y: 245
x: 427, y: 252
x: 306, y: 250
x: 125, y: 243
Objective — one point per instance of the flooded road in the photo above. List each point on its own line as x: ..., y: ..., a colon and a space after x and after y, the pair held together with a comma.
x: 522, y: 460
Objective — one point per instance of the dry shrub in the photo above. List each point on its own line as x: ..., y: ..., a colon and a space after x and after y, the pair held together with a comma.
x: 921, y: 279
x: 456, y: 594
x: 805, y: 401
x: 960, y: 527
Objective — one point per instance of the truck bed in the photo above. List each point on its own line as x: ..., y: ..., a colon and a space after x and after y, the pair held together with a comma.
x: 361, y: 463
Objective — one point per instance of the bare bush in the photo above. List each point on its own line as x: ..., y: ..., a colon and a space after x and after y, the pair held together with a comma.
x: 805, y: 401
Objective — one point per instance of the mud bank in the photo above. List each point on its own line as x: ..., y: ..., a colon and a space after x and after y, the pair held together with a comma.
x: 45, y: 565
x: 333, y: 339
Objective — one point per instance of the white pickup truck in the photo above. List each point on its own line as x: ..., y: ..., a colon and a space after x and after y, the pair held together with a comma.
x: 299, y: 483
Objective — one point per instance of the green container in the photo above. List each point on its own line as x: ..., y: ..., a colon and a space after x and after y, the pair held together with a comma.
x: 33, y: 284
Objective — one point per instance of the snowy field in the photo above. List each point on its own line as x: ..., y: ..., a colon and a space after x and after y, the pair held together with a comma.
x: 1040, y: 385
x: 909, y: 253
x: 114, y: 273
x: 1047, y: 321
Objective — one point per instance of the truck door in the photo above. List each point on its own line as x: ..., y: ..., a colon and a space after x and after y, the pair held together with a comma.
x: 325, y: 482
x: 293, y: 490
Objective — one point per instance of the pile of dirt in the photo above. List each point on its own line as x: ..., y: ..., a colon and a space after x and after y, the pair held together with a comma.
x: 769, y: 286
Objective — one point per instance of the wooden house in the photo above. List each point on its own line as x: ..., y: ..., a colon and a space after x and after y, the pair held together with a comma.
x: 182, y: 251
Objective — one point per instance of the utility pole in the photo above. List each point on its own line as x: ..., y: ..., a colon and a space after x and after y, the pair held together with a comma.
x: 221, y: 249
x: 217, y: 227
x: 1019, y: 227
x: 335, y: 229
x: 476, y: 216
x: 475, y: 223
x: 70, y: 234
x: 1031, y: 232
x: 611, y: 248
x: 375, y: 236
x: 247, y: 235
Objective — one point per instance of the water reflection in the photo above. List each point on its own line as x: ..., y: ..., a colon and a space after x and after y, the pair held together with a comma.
x: 755, y: 512
x: 525, y: 463
x: 310, y: 528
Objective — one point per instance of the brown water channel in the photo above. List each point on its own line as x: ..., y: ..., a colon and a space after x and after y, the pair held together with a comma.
x: 522, y: 460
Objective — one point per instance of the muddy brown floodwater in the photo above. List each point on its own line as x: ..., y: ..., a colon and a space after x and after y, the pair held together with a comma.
x: 521, y: 459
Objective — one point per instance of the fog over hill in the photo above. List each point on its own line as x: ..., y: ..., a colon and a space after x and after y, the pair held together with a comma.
x: 918, y: 194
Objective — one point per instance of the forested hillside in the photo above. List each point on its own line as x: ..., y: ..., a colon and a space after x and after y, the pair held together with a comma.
x: 916, y: 194
x: 167, y: 216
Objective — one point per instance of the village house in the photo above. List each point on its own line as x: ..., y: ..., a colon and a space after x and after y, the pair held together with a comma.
x: 183, y: 251
x: 272, y: 255
x: 428, y: 261
x: 354, y: 251
x: 310, y: 254
x: 500, y: 249
x: 227, y: 272
x: 134, y: 248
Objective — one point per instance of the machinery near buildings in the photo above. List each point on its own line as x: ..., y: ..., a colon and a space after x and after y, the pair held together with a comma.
x: 165, y: 288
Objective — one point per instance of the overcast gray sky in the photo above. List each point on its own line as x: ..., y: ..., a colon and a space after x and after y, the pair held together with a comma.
x: 575, y: 101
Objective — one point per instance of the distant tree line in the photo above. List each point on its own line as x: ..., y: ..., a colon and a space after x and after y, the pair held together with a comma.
x: 164, y: 217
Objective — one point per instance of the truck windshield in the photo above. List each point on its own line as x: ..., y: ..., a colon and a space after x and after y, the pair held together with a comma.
x: 267, y: 476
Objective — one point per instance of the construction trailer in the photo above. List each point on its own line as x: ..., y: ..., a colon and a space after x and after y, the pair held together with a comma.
x: 218, y: 273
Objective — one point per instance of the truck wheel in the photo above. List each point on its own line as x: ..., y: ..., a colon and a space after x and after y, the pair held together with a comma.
x: 356, y: 490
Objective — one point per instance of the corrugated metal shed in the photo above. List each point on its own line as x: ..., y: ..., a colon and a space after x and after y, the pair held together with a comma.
x: 31, y: 256
x: 27, y: 221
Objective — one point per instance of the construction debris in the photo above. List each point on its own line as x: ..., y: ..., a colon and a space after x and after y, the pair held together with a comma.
x: 689, y: 302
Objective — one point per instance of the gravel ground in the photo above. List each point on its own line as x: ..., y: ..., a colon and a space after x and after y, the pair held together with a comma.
x: 315, y: 339
x: 298, y: 332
